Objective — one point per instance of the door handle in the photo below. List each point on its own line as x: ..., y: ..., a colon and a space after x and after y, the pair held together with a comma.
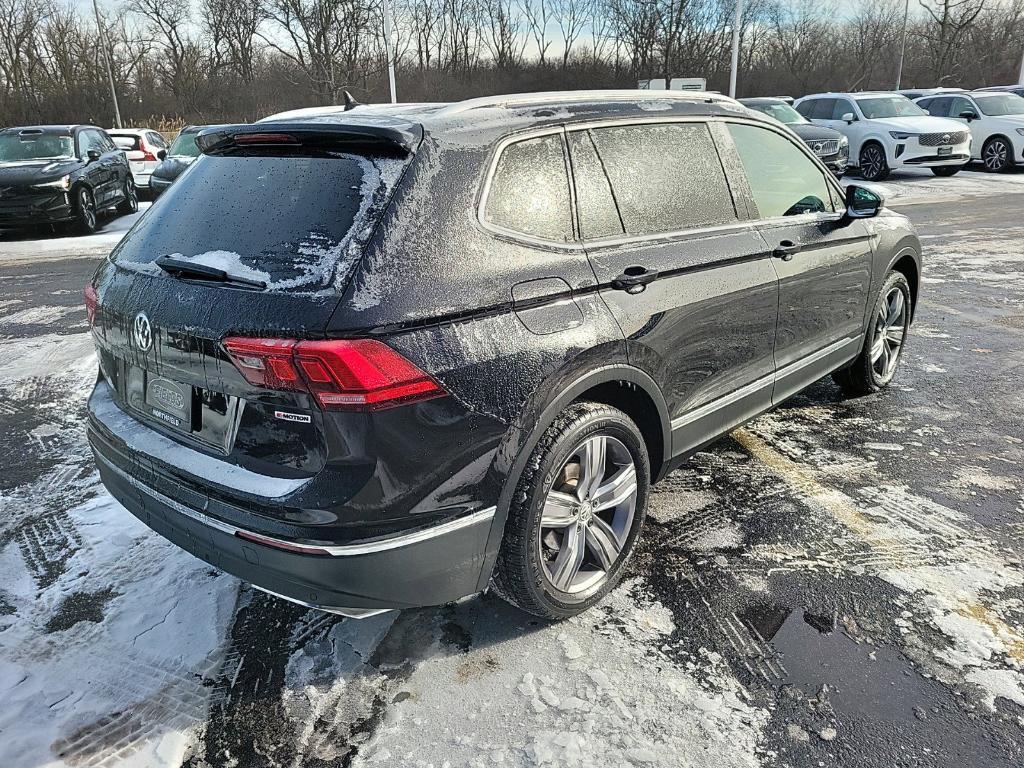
x: 786, y: 249
x: 634, y: 279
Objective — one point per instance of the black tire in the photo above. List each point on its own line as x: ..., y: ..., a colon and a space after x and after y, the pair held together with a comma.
x: 520, y: 575
x: 997, y: 155
x: 130, y: 204
x: 862, y: 377
x: 873, y: 164
x: 947, y: 170
x: 85, y: 211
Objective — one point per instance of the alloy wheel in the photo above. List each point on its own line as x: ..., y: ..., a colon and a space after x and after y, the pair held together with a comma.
x: 995, y: 155
x: 131, y: 195
x: 890, y: 332
x: 88, y: 211
x: 588, y: 515
x: 872, y: 162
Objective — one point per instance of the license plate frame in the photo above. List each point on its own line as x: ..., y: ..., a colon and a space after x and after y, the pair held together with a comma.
x: 945, y: 151
x: 170, y: 402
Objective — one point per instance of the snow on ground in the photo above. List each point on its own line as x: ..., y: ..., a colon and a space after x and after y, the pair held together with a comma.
x: 914, y: 185
x: 16, y: 247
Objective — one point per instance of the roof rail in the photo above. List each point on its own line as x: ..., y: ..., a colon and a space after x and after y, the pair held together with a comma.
x: 564, y: 97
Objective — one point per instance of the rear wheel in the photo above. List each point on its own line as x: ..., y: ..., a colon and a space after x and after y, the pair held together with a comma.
x: 876, y: 365
x: 997, y: 155
x: 575, y: 514
x: 130, y: 204
x: 947, y: 170
x: 85, y: 211
x: 873, y: 165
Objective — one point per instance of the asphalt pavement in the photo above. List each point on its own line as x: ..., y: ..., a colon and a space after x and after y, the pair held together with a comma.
x: 836, y: 583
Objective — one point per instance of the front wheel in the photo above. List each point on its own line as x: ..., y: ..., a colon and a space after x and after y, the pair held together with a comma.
x: 947, y: 170
x: 876, y: 365
x: 85, y: 211
x: 873, y: 165
x: 997, y: 155
x: 130, y: 204
x: 576, y: 513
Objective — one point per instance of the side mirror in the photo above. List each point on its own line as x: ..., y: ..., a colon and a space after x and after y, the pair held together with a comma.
x: 862, y: 203
x: 162, y: 154
x: 848, y: 117
x: 93, y: 155
x: 968, y: 115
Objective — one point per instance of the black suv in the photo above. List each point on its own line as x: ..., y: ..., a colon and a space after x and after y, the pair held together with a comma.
x: 385, y: 357
x: 51, y: 174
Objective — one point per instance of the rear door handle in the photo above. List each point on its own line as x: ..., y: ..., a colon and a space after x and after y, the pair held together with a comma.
x: 786, y: 249
x: 634, y: 279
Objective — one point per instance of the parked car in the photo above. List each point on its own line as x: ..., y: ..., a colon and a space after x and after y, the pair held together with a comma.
x: 173, y: 162
x: 996, y: 122
x: 383, y: 358
x: 142, y: 147
x: 887, y: 131
x: 829, y: 145
x: 917, y: 93
x: 52, y: 174
x: 1017, y: 89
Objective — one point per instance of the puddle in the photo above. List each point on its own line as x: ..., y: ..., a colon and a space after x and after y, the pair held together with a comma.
x: 821, y: 660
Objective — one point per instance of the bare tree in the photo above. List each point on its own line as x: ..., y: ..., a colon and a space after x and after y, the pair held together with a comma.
x: 538, y: 17
x: 950, y: 22
x: 571, y: 16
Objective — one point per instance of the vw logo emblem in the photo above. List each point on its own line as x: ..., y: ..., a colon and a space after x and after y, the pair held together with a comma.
x: 142, y: 332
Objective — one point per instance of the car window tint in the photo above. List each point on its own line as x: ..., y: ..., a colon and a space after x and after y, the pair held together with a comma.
x: 599, y: 216
x: 805, y: 108
x: 783, y: 180
x: 156, y: 140
x: 823, y: 109
x: 938, y: 107
x: 529, y: 192
x: 665, y: 177
x: 842, y: 106
x: 960, y: 104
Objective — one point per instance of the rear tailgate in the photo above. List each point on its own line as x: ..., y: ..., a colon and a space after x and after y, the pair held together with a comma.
x: 294, y: 222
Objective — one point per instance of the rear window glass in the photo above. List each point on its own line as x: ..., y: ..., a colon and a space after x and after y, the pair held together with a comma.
x: 122, y: 141
x: 297, y: 224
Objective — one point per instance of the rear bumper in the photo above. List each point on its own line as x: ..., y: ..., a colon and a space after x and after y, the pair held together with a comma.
x: 425, y: 567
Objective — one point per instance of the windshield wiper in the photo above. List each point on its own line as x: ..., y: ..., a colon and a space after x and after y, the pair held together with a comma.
x: 190, y: 269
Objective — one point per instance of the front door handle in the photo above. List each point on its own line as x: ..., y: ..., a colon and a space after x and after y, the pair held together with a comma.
x: 634, y: 279
x: 786, y: 249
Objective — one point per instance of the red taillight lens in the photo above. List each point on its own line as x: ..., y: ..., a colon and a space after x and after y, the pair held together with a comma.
x: 91, y: 301
x: 148, y: 156
x: 345, y: 374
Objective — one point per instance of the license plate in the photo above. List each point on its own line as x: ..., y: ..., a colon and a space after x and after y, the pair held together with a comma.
x: 945, y: 150
x: 170, y: 402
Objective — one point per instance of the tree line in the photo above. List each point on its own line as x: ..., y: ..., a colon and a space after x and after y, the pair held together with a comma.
x: 233, y: 60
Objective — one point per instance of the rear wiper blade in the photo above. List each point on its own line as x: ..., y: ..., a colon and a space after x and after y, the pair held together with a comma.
x: 182, y: 268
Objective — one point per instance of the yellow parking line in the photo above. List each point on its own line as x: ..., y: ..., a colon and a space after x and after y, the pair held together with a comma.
x: 845, y: 510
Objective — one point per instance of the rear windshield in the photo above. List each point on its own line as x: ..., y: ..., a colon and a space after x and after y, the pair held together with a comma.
x: 185, y: 145
x: 297, y: 224
x: 125, y: 140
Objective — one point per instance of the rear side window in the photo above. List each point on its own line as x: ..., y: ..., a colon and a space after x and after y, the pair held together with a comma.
x: 783, y: 180
x: 529, y: 192
x: 822, y: 109
x: 665, y: 177
x: 937, y: 107
x: 599, y: 216
x: 296, y: 223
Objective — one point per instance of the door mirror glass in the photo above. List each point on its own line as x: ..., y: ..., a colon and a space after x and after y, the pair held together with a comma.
x: 849, y: 117
x: 93, y: 154
x: 968, y: 115
x: 862, y: 203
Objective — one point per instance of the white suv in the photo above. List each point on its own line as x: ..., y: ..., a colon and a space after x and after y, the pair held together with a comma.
x: 888, y: 131
x: 996, y: 121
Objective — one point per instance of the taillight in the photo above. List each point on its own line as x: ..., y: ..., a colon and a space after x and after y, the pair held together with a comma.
x: 91, y: 300
x: 148, y: 156
x: 343, y: 374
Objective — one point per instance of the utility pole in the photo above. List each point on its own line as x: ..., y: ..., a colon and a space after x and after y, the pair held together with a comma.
x: 735, y: 48
x: 389, y: 44
x: 1020, y: 77
x: 903, y: 46
x: 110, y: 71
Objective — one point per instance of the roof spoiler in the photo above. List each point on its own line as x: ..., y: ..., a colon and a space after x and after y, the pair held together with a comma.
x: 402, y: 138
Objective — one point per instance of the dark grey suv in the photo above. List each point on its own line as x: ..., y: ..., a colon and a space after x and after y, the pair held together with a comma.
x: 385, y: 357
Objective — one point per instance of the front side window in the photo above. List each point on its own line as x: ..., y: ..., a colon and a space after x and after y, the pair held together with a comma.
x: 666, y: 177
x: 783, y: 180
x: 529, y: 191
x: 961, y: 105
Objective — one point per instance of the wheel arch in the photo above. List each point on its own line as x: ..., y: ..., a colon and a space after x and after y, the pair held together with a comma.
x: 907, y: 262
x: 617, y: 385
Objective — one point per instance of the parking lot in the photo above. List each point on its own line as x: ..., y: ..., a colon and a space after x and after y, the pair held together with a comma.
x: 837, y: 583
